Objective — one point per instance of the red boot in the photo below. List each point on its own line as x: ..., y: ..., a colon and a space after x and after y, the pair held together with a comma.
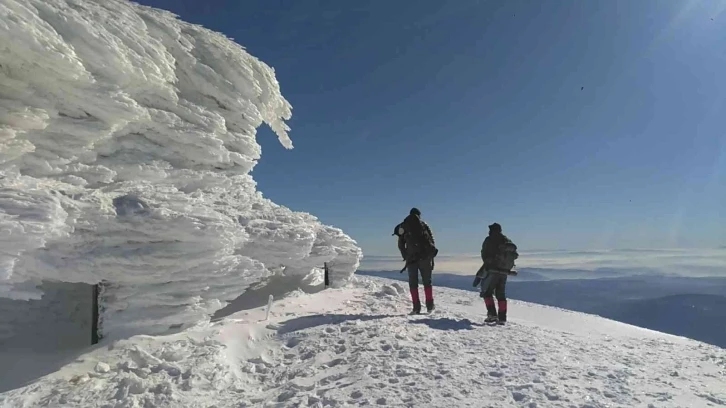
x: 502, y: 311
x: 429, y: 292
x: 416, y: 301
x: 491, y: 310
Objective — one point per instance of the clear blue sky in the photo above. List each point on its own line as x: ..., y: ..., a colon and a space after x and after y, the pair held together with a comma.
x: 474, y: 112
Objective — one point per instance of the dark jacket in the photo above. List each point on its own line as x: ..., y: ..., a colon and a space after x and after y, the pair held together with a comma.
x: 490, y: 247
x: 409, y: 252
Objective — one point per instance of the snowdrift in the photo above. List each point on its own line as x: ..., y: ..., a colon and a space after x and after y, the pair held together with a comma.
x: 356, y: 346
x: 126, y: 142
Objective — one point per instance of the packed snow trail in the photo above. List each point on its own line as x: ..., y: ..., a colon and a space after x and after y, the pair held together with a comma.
x: 356, y: 346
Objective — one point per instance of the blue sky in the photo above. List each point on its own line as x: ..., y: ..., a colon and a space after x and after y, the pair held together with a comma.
x: 475, y: 112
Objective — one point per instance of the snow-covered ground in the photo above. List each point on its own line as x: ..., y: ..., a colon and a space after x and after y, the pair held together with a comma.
x: 126, y: 142
x: 356, y: 346
x: 127, y: 138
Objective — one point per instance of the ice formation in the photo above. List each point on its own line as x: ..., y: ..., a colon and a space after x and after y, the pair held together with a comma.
x: 126, y: 141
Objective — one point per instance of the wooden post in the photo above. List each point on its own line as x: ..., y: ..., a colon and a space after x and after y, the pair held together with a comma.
x: 327, y: 278
x: 94, y: 319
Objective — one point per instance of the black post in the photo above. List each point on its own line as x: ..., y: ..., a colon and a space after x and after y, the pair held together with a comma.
x: 327, y: 279
x: 94, y: 319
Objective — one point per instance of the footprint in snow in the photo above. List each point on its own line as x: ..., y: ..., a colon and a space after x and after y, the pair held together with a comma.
x: 713, y: 399
x: 336, y: 362
x: 286, y: 395
x: 291, y: 343
x: 519, y: 396
x: 307, y: 355
x: 404, y: 372
x: 552, y: 396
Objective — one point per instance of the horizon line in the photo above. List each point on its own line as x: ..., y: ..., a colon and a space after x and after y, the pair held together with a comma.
x: 654, y: 249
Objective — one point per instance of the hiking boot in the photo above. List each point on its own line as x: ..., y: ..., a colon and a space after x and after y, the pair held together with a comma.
x: 430, y: 306
x: 491, y: 319
x: 502, y: 317
x: 416, y: 308
x: 491, y: 309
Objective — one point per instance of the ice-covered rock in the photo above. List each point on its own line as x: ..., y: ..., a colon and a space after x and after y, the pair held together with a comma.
x: 126, y: 141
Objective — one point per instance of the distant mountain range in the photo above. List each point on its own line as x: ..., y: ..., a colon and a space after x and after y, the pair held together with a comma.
x: 700, y: 317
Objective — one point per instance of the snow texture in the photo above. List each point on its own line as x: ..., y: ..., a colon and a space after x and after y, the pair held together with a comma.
x: 356, y: 346
x: 126, y: 142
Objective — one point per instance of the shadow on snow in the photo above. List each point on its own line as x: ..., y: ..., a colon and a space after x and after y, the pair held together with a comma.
x: 448, y: 324
x: 307, y: 322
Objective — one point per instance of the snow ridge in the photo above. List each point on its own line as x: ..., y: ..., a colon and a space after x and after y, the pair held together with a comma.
x: 126, y: 142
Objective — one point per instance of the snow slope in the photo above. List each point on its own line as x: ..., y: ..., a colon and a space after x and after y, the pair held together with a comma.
x: 356, y: 346
x: 126, y: 142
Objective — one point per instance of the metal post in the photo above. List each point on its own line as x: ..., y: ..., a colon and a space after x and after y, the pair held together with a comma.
x: 94, y: 319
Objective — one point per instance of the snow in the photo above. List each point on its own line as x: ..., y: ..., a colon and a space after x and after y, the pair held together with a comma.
x: 356, y: 345
x: 127, y: 138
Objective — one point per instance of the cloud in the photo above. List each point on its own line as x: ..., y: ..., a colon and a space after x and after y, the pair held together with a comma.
x: 558, y: 264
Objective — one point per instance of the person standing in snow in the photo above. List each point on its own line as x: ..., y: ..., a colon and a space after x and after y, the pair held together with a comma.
x: 417, y: 247
x: 498, y: 254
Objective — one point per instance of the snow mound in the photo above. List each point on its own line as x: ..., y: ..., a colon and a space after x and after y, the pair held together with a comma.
x: 126, y: 142
x: 350, y: 347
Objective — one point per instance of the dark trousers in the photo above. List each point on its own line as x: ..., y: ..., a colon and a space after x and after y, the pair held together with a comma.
x: 425, y: 268
x: 496, y: 287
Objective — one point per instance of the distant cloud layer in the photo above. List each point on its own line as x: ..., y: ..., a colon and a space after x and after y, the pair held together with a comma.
x: 558, y: 264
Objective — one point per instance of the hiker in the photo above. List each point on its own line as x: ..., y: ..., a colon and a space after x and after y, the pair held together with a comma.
x: 416, y: 243
x: 498, y: 254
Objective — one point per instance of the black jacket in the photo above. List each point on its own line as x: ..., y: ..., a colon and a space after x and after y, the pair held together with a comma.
x: 410, y: 252
x: 490, y: 247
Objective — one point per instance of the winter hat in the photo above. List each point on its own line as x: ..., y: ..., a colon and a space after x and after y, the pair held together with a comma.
x: 495, y: 227
x: 415, y: 211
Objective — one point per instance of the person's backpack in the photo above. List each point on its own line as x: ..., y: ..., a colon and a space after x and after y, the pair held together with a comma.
x: 506, y: 255
x: 418, y: 236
